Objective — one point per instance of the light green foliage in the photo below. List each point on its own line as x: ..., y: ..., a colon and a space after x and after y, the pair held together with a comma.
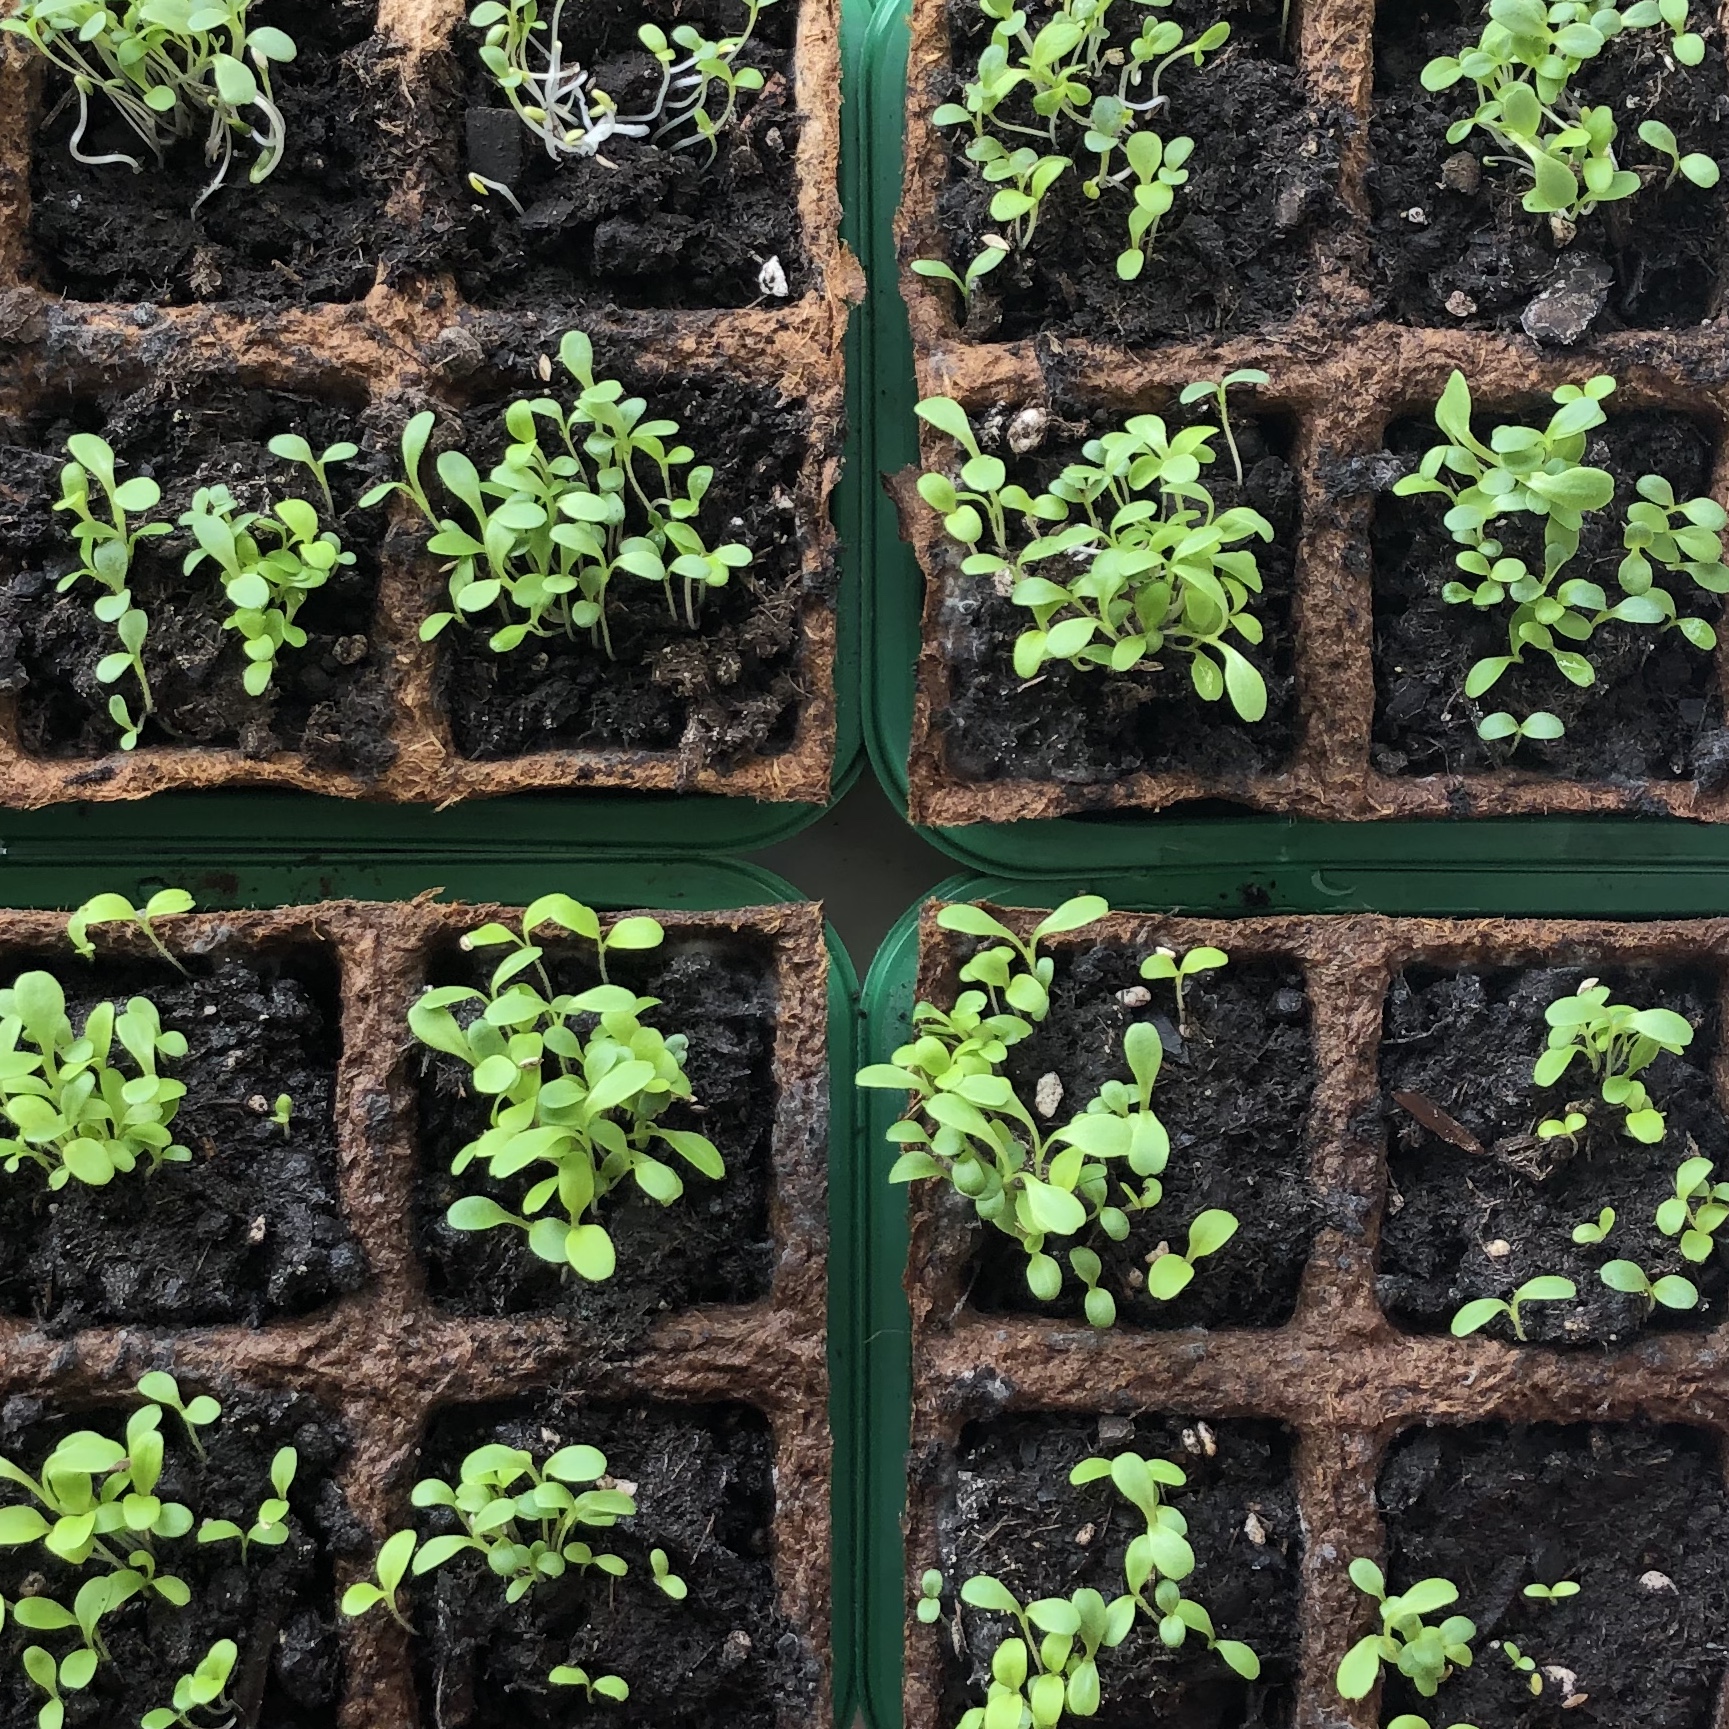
x: 581, y: 495
x: 1410, y: 1720
x: 1523, y: 66
x: 106, y: 543
x: 558, y: 100
x: 993, y: 252
x: 1539, y: 472
x: 1696, y: 1211
x: 930, y: 1603
x: 1556, y: 1593
x: 1617, y: 1041
x: 968, y: 1127
x: 523, y: 1519
x: 1547, y: 1288
x: 587, y: 1106
x: 71, y: 1110
x: 205, y: 1689
x: 168, y: 67
x: 270, y: 562
x: 1087, y: 99
x: 1165, y: 963
x: 269, y: 1528
x: 1216, y: 390
x: 1567, y: 1127
x: 291, y: 447
x: 1540, y: 725
x: 1425, y: 1655
x: 1160, y: 568
x: 1597, y: 1230
x: 1522, y: 1665
x: 94, y: 1508
x: 1628, y: 1277
x: 112, y: 909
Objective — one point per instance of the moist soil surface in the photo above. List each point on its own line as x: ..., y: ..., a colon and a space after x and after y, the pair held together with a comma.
x: 640, y: 223
x: 710, y: 1245
x: 1232, y: 1094
x: 731, y: 688
x: 1637, y: 1515
x: 1232, y: 256
x: 1654, y: 712
x: 1461, y: 1225
x: 250, y: 1229
x: 329, y: 701
x: 724, y: 1658
x: 1087, y: 726
x: 314, y: 231
x: 279, y: 1608
x: 1476, y: 258
x: 1015, y: 1515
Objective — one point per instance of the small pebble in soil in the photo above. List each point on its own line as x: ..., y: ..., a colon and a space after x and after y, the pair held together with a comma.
x: 1049, y: 1095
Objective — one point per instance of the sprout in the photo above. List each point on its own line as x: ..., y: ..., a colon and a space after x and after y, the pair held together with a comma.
x: 1426, y: 1655
x: 1545, y: 1289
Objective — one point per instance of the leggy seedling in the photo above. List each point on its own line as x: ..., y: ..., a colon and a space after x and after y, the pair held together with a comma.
x: 1618, y: 1042
x: 1165, y: 963
x: 115, y: 909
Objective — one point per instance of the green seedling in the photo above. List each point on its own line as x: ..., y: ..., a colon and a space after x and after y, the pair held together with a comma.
x: 593, y: 1687
x: 1618, y: 1042
x: 1410, y: 1720
x: 194, y: 1414
x: 1523, y: 66
x: 1160, y: 568
x: 168, y: 67
x: 1595, y: 1231
x: 1541, y: 725
x: 1425, y: 1655
x: 291, y: 447
x: 205, y: 1689
x: 112, y: 909
x: 390, y: 1568
x: 1527, y: 471
x: 930, y: 1604
x: 1522, y: 1665
x: 1215, y: 391
x: 1568, y: 1127
x: 1171, y: 1273
x: 1628, y: 1277
x: 270, y: 1528
x: 588, y: 1106
x: 1556, y: 1593
x: 269, y: 562
x: 1478, y: 1314
x: 991, y: 254
x: 665, y: 1580
x: 582, y: 495
x: 1696, y: 1211
x: 282, y: 1112
x: 69, y: 1109
x: 1164, y: 963
x: 558, y: 100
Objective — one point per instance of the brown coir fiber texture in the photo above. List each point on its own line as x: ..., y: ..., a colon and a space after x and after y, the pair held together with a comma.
x: 1342, y: 376
x: 385, y: 1362
x: 1338, y: 1376
x: 410, y: 343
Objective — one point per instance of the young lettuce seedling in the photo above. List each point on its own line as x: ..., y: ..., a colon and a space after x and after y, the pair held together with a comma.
x: 205, y: 1689
x: 113, y: 909
x: 1617, y: 1041
x: 1522, y: 1665
x: 1556, y: 1593
x: 586, y: 1106
x: 1595, y: 1231
x: 1425, y: 1655
x: 269, y: 1528
x: 1672, y: 1291
x: 1696, y: 1211
x: 1478, y: 1314
x: 1164, y: 963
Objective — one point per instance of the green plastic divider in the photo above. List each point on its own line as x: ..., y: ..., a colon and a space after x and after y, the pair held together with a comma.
x: 1625, y: 889
x: 263, y: 871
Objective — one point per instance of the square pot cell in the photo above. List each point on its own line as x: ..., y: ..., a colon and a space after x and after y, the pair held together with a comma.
x: 314, y: 232
x: 1452, y: 246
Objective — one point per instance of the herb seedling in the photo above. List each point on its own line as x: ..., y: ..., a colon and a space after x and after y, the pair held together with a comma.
x: 206, y: 1688
x: 268, y: 1529
x: 1160, y: 568
x: 1617, y: 1041
x: 554, y: 523
x: 1672, y: 1291
x: 593, y: 1687
x: 587, y: 1106
x: 1425, y: 1655
x: 167, y: 67
x: 1164, y: 963
x: 1556, y: 1593
x: 1595, y: 1231
x: 1478, y: 1314
x: 994, y: 250
x: 113, y: 909
x: 930, y: 1604
x: 1567, y: 1127
x: 1522, y: 1665
x: 291, y: 447
x: 1524, y: 471
x: 1209, y: 389
x: 1696, y: 1211
x: 1522, y: 66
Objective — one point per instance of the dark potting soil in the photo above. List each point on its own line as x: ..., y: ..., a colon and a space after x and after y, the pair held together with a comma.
x: 641, y: 223
x: 314, y: 231
x: 712, y: 1243
x: 729, y: 689
x: 279, y: 1607
x: 1087, y: 726
x: 1654, y: 711
x: 1475, y: 257
x: 1635, y: 1514
x: 251, y: 1228
x: 1462, y: 1225
x: 1233, y: 1096
x: 1232, y: 256
x: 724, y: 1658
x: 1015, y: 1515
x: 329, y: 701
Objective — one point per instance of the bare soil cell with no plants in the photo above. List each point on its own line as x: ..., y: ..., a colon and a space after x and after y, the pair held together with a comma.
x: 279, y: 1608
x: 250, y: 1229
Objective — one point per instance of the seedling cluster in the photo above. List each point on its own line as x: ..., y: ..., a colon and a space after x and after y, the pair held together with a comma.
x: 1050, y: 1666
x: 1040, y: 1186
x: 584, y: 1104
x: 1527, y: 471
x: 167, y: 67
x: 1523, y: 68
x: 1126, y: 558
x: 1041, y: 100
x: 93, y: 1508
x: 524, y: 1521
x: 581, y: 495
